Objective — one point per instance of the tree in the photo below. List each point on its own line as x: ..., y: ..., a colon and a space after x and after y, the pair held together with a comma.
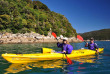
x: 5, y: 20
x: 43, y: 18
x: 4, y: 7
x: 24, y: 22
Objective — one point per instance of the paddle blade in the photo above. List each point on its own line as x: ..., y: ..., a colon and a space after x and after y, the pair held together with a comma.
x: 54, y: 34
x: 69, y: 60
x: 80, y: 38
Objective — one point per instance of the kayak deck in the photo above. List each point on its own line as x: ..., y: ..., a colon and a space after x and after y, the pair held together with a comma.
x: 25, y: 58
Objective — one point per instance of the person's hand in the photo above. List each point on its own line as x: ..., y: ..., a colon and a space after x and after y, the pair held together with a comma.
x: 64, y: 51
x: 86, y: 43
x: 57, y: 39
x: 97, y: 50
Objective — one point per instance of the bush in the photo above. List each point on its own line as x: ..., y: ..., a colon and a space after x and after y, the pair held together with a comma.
x: 24, y: 30
x: 45, y: 33
x: 8, y: 30
x: 41, y: 32
x: 15, y: 31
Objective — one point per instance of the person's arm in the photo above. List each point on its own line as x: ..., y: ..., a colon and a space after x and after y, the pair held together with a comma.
x: 64, y: 48
x: 86, y: 45
x: 95, y: 45
x: 59, y: 44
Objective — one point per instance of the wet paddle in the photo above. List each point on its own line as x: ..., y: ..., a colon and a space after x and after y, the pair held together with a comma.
x: 68, y: 59
x: 80, y: 38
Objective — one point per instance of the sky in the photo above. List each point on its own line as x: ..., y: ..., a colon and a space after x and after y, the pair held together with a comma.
x: 84, y: 15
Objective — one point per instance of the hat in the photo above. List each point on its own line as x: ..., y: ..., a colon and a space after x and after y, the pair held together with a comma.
x: 92, y: 38
x: 65, y: 39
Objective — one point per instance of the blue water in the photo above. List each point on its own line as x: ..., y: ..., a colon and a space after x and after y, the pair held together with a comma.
x: 84, y: 65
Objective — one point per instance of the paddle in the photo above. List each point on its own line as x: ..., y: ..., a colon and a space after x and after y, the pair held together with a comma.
x: 68, y: 59
x: 54, y: 35
x: 80, y: 38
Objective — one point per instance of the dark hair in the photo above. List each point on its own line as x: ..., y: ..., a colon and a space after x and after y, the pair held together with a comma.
x: 66, y: 41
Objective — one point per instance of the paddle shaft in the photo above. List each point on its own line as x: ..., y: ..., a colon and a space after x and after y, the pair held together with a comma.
x: 57, y: 39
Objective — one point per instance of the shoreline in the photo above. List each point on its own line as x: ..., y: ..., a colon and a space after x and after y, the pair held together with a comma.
x: 36, y: 42
x: 98, y: 40
x: 102, y: 40
x: 29, y: 38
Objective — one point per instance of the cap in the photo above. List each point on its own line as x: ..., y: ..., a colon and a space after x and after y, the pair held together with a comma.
x: 92, y: 38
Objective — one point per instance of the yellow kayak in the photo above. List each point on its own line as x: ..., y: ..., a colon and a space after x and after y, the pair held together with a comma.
x: 47, y: 54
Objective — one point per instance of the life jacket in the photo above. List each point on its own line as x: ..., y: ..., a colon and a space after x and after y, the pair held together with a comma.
x: 92, y: 46
x: 68, y: 47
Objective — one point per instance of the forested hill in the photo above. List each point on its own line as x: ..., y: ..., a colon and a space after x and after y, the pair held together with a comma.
x: 20, y: 16
x: 103, y: 34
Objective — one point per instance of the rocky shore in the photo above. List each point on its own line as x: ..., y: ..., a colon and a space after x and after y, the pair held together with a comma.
x: 9, y: 38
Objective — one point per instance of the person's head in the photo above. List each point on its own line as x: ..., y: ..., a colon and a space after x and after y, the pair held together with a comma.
x: 92, y: 40
x: 65, y: 41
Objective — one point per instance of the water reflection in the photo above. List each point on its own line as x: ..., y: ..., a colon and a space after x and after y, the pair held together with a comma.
x: 15, y: 68
x: 62, y: 64
x: 79, y: 64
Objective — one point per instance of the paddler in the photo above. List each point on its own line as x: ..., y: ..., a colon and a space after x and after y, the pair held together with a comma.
x: 66, y: 47
x: 92, y: 45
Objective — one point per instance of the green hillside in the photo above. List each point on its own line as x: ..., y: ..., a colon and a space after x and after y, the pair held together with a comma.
x: 103, y: 34
x: 21, y: 16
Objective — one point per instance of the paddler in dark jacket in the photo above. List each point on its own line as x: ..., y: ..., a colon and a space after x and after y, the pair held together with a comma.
x: 92, y: 45
x: 66, y: 47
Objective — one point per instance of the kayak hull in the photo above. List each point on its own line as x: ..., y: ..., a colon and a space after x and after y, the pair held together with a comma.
x: 26, y: 58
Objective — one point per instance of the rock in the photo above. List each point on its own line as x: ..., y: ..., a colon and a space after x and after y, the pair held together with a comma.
x: 61, y: 36
x: 31, y: 38
x: 4, y: 36
x: 0, y: 36
x: 39, y: 37
x: 14, y: 35
x: 1, y: 41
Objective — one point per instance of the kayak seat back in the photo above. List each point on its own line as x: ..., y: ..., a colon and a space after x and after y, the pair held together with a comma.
x: 46, y: 50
